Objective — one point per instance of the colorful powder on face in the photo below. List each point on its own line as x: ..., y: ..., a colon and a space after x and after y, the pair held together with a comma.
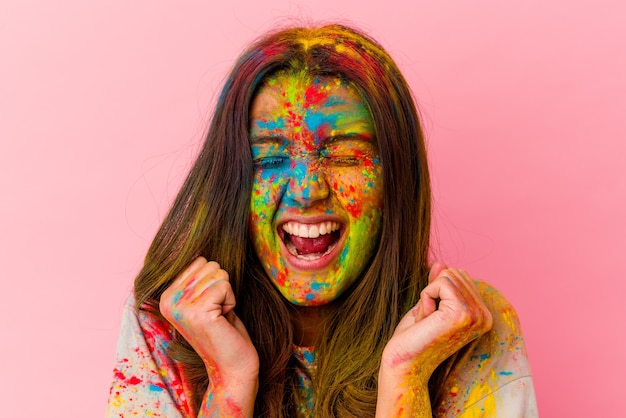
x: 309, y: 133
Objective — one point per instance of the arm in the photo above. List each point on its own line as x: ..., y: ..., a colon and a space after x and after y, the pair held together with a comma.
x: 402, y: 395
x: 200, y: 305
x: 145, y: 379
x: 450, y: 314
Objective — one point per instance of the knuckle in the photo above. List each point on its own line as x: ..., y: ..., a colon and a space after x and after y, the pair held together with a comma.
x: 466, y: 318
x: 165, y: 307
x: 488, y: 318
x: 221, y: 285
x: 483, y: 321
x: 453, y: 271
x: 165, y: 297
x: 446, y: 272
x: 222, y: 274
x: 213, y: 265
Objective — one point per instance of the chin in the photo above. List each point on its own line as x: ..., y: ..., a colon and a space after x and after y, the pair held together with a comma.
x: 312, y: 298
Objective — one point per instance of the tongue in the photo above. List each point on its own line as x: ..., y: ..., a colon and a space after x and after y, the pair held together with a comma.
x: 313, y: 245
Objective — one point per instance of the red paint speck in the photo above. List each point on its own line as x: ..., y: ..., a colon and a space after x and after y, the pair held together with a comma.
x: 354, y: 209
x: 281, y: 279
x: 134, y: 380
x: 313, y: 96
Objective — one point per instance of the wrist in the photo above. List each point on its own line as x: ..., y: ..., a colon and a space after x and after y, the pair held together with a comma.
x: 229, y: 394
x: 402, y: 395
x: 244, y: 385
x: 403, y: 387
x: 416, y: 366
x: 223, y: 377
x: 229, y: 397
x: 398, y: 375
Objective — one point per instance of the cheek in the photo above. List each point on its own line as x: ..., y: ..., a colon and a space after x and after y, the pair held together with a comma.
x: 358, y: 190
x: 262, y: 207
x: 266, y: 191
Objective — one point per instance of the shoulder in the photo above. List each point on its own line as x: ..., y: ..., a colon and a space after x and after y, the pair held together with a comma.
x: 492, y: 374
x: 140, y: 326
x: 505, y: 319
x: 503, y: 346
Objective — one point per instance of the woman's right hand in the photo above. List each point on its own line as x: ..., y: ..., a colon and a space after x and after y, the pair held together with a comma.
x: 200, y: 305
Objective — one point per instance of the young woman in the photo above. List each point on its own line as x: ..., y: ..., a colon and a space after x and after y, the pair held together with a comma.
x: 290, y: 277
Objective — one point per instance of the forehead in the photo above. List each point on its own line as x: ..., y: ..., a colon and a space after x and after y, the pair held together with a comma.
x: 299, y: 92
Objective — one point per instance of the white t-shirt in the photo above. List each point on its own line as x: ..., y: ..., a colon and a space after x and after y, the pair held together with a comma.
x: 489, y: 377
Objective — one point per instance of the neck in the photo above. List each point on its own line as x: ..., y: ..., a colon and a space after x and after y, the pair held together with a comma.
x: 307, y: 323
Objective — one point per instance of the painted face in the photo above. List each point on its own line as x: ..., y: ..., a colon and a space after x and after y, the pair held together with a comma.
x: 317, y: 195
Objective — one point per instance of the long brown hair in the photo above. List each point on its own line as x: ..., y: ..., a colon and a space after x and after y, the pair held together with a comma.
x: 209, y: 218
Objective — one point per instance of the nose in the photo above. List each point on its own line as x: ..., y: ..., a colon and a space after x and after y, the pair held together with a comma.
x: 308, y: 184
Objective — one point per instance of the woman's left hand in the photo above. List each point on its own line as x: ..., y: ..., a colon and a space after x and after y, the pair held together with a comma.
x: 449, y: 314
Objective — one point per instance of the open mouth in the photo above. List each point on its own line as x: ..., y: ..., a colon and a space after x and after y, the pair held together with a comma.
x: 310, y: 241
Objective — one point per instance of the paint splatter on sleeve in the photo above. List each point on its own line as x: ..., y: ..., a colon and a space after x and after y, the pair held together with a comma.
x: 491, y: 376
x: 146, y: 381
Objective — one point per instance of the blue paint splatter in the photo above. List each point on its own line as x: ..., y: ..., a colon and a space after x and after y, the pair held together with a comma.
x: 309, y: 356
x: 176, y: 312
x: 271, y: 125
x: 319, y: 286
x: 177, y: 296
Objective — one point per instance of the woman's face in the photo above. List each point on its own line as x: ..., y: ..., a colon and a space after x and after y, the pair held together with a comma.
x: 317, y: 195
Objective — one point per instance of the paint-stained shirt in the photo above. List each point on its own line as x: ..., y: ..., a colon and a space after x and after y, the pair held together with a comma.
x: 490, y: 377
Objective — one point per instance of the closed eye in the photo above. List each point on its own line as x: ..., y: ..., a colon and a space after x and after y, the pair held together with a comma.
x: 342, y: 160
x: 270, y: 162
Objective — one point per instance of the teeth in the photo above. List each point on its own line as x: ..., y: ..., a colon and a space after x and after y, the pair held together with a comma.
x: 310, y: 230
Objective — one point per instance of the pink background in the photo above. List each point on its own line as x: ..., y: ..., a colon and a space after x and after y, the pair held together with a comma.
x: 103, y: 105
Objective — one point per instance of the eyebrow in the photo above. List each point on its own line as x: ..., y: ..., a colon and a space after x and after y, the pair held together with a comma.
x: 280, y: 140
x: 349, y: 137
x: 267, y: 139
